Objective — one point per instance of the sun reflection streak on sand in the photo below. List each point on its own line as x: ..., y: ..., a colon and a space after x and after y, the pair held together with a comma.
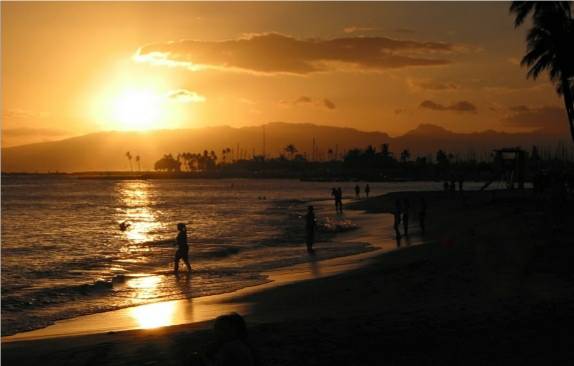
x: 154, y: 315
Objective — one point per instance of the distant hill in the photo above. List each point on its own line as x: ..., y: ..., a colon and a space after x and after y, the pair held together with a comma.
x: 105, y: 151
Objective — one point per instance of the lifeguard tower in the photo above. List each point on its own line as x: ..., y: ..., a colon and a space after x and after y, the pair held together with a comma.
x: 509, y: 167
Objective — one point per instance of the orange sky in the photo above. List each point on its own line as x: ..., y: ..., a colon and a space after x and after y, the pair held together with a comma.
x: 74, y: 68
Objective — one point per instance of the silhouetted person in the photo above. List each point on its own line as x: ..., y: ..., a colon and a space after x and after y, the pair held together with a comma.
x: 422, y: 214
x: 310, y: 224
x: 357, y: 191
x: 367, y: 190
x: 231, y: 346
x: 452, y: 185
x: 460, y: 183
x: 124, y: 225
x: 397, y: 224
x: 406, y: 216
x: 335, y: 194
x: 340, y: 200
x: 445, y: 186
x: 182, y: 252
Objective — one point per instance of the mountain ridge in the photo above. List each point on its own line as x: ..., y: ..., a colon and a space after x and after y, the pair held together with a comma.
x: 106, y: 150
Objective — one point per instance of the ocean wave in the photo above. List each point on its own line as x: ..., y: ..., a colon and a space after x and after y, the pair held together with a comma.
x: 329, y: 225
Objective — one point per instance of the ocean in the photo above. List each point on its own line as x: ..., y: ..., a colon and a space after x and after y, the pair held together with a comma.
x: 63, y: 254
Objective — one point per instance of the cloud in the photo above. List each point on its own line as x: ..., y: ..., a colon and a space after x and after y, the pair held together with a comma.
x: 427, y: 84
x: 519, y: 108
x: 462, y: 106
x: 404, y: 30
x: 328, y: 104
x: 270, y: 53
x: 357, y: 29
x: 185, y: 96
x: 33, y: 132
x: 550, y: 118
x: 22, y: 114
x: 305, y: 100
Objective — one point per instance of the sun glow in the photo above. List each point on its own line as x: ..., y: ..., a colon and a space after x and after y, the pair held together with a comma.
x: 137, y: 110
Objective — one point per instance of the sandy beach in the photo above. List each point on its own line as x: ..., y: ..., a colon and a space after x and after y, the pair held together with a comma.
x: 490, y: 283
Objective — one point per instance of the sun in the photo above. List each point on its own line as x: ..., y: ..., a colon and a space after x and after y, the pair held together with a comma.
x: 137, y: 109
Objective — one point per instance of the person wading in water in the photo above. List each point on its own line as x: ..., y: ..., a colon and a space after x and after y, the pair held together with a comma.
x: 182, y: 251
x: 310, y: 224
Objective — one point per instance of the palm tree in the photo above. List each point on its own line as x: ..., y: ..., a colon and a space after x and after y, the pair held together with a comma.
x: 550, y: 46
x: 138, y: 161
x: 291, y: 150
x: 129, y: 156
x: 405, y: 156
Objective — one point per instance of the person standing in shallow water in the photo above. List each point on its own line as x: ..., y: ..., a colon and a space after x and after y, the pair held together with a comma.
x: 406, y: 216
x: 397, y: 216
x: 182, y: 252
x: 367, y: 190
x: 357, y: 191
x: 335, y: 194
x: 422, y: 214
x: 310, y: 224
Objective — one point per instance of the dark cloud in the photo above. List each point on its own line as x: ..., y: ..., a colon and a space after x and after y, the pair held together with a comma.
x: 33, y: 132
x: 549, y: 118
x: 325, y: 103
x: 277, y: 53
x: 328, y: 104
x: 462, y: 106
x: 303, y: 99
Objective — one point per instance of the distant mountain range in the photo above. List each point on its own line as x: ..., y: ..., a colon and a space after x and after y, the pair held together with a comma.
x: 106, y: 151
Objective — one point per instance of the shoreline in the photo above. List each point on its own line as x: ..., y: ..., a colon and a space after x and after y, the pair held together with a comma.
x: 204, y: 308
x: 489, y: 282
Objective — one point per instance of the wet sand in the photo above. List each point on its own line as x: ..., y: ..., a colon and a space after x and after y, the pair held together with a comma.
x: 490, y: 286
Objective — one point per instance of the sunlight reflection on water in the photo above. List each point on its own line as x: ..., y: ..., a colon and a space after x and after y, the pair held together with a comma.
x: 135, y: 197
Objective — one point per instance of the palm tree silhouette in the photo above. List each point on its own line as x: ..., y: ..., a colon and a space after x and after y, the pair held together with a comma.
x: 291, y: 150
x: 129, y: 156
x: 550, y: 46
x: 138, y: 161
x: 405, y: 155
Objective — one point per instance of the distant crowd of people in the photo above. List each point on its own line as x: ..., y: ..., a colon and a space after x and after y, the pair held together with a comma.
x: 401, y: 215
x: 450, y: 185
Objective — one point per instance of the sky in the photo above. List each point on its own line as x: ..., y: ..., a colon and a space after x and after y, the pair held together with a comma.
x: 71, y: 68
